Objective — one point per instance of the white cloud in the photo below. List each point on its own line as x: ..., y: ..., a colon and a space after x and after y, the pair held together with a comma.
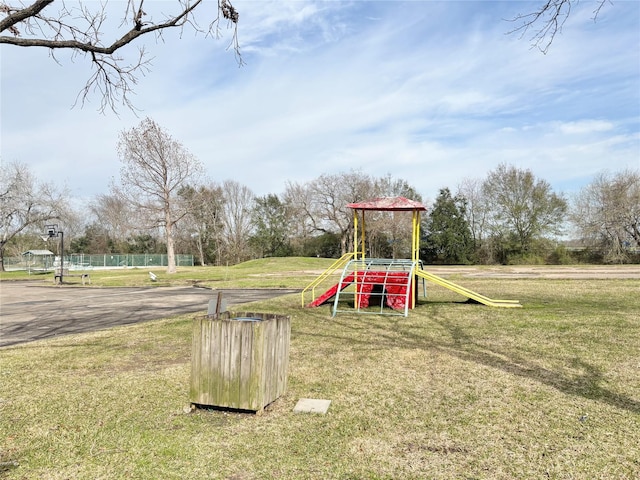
x: 431, y: 92
x: 583, y: 127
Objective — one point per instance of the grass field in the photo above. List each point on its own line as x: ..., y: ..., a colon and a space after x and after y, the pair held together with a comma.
x: 292, y: 272
x: 454, y: 391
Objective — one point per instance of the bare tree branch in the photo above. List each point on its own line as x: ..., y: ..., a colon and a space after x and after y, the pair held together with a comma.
x: 15, y: 16
x: 80, y: 29
x: 547, y: 21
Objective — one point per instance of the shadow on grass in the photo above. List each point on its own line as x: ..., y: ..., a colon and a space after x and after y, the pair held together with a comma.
x: 587, y: 385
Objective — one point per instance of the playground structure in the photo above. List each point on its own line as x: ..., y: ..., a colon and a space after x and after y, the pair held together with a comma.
x: 366, y: 283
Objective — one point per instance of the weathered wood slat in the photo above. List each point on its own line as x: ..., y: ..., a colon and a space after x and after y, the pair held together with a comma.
x: 246, y: 343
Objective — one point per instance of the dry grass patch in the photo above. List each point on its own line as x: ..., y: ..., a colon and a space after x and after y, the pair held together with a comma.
x: 453, y: 391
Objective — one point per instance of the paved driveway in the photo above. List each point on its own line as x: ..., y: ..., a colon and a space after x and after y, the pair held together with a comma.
x: 32, y: 312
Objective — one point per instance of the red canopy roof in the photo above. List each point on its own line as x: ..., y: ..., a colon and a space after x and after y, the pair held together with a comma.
x: 389, y: 204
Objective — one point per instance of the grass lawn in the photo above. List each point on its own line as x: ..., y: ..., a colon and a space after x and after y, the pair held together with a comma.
x: 454, y: 391
x: 295, y: 272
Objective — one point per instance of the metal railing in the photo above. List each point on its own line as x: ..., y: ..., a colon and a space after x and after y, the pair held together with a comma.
x: 335, y: 266
x: 377, y: 283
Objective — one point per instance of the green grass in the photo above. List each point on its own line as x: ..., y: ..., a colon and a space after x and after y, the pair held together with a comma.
x: 291, y: 272
x: 454, y: 390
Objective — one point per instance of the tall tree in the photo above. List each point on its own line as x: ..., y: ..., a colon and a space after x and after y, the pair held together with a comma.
x: 25, y: 203
x: 298, y: 201
x: 204, y: 223
x: 154, y: 169
x: 395, y: 227
x: 523, y: 208
x: 477, y: 215
x: 448, y: 238
x: 116, y: 216
x: 236, y: 218
x: 607, y: 213
x: 95, y: 240
x: 331, y: 194
x: 83, y: 27
x: 271, y: 227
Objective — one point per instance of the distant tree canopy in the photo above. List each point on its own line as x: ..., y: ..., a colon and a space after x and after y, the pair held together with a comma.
x: 203, y: 225
x: 509, y: 216
x: 237, y: 205
x: 95, y: 240
x: 321, y: 204
x: 522, y: 208
x: 271, y: 227
x: 320, y: 207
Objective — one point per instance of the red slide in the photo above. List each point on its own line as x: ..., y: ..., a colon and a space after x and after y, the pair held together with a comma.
x: 395, y: 288
x: 326, y: 296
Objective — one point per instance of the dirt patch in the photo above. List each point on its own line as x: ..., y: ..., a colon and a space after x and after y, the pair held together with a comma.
x: 543, y: 271
x: 527, y: 271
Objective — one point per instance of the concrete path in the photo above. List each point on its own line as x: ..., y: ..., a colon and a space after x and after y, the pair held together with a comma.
x: 31, y: 312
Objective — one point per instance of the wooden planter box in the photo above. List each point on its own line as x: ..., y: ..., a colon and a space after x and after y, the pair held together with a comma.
x: 239, y: 360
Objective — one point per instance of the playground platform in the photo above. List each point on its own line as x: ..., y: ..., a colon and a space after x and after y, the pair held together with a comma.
x: 383, y: 286
x: 383, y: 282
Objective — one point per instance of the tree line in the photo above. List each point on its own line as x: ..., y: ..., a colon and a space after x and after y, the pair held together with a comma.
x: 161, y: 205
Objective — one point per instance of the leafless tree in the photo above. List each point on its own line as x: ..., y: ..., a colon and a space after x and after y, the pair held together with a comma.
x: 82, y: 27
x: 204, y: 223
x: 607, y: 213
x: 155, y: 168
x: 115, y: 215
x: 545, y: 22
x: 25, y: 202
x: 299, y: 201
x: 320, y: 206
x: 236, y: 217
x: 331, y: 194
x: 394, y: 226
x: 476, y: 214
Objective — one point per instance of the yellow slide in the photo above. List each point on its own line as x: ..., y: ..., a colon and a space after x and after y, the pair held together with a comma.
x: 466, y: 292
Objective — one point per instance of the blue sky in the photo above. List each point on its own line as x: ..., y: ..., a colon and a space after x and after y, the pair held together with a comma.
x: 431, y: 92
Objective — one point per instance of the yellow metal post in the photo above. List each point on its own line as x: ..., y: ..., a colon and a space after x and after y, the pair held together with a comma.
x: 415, y: 253
x: 415, y: 237
x: 355, y: 233
x: 363, y: 237
x: 355, y: 252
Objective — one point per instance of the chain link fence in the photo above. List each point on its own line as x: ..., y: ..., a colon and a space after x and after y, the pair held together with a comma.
x: 88, y: 262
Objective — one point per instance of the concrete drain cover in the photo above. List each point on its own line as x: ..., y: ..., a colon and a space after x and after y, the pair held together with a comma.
x: 312, y: 405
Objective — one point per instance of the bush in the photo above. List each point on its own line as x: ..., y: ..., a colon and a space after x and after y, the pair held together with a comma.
x: 560, y: 256
x: 326, y: 245
x: 525, y: 259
